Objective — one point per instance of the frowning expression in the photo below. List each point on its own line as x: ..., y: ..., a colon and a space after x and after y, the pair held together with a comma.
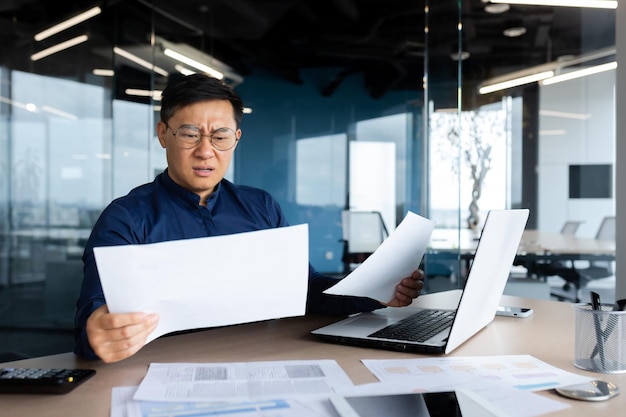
x: 198, y: 169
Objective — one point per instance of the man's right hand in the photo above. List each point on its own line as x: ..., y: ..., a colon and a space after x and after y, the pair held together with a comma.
x: 114, y: 337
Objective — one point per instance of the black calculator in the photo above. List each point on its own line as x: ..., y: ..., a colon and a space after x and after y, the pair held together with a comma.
x: 41, y: 380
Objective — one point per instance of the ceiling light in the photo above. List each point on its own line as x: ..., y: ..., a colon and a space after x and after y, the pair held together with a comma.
x: 600, y: 4
x: 58, y: 47
x: 514, y: 32
x: 553, y: 132
x: 547, y: 70
x: 24, y: 106
x: 155, y: 94
x: 102, y: 72
x: 58, y: 112
x: 183, y: 70
x: 463, y: 55
x: 68, y: 23
x: 140, y: 61
x: 565, y: 115
x: 580, y: 73
x: 527, y: 79
x: 495, y: 8
x: 194, y: 59
x: 193, y: 63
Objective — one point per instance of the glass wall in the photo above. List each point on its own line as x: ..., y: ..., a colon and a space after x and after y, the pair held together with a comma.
x: 77, y: 131
x: 539, y: 136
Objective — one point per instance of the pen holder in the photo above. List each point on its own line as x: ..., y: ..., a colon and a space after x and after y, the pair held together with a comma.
x: 600, y: 339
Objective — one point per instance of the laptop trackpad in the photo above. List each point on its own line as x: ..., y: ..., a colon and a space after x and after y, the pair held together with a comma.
x: 367, y: 321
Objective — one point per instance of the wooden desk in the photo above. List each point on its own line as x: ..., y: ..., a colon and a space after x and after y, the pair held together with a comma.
x: 548, y: 335
x: 535, y: 241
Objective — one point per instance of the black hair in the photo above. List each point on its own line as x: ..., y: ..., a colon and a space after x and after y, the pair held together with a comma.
x: 185, y: 90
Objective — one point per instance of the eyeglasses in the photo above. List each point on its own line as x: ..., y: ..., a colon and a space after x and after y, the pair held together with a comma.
x: 189, y: 136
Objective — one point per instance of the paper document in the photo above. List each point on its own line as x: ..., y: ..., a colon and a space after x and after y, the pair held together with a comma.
x: 516, y: 371
x: 396, y: 258
x: 207, y: 282
x: 123, y: 405
x: 241, y: 381
x: 508, y: 382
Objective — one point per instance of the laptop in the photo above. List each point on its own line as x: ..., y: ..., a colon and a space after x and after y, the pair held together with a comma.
x: 386, y: 328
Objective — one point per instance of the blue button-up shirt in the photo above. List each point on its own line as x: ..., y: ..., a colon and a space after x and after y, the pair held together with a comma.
x: 162, y: 211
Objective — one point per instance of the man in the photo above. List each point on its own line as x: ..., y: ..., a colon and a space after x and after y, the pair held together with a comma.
x: 199, y: 130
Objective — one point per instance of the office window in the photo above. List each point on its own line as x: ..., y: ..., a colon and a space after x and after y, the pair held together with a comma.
x: 372, y: 179
x: 468, y: 168
x: 320, y: 162
x: 390, y: 138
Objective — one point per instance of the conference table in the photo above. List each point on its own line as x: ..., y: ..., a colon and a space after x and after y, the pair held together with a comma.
x: 533, y: 243
x: 548, y: 335
x: 535, y: 246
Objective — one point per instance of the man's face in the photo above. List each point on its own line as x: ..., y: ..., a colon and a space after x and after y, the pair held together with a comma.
x: 201, y: 168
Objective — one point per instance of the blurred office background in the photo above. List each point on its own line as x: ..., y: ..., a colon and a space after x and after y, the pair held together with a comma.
x: 364, y: 106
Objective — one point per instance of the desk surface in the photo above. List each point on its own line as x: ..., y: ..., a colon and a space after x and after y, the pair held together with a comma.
x: 552, y: 242
x: 548, y: 335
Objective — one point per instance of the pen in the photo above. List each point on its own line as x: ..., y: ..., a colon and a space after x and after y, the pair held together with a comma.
x: 620, y: 305
x: 599, y: 348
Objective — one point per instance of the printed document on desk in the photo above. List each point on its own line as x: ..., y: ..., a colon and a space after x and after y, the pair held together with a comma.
x: 507, y: 382
x: 242, y: 381
x: 208, y: 282
x: 396, y: 258
x: 123, y: 405
x: 523, y: 372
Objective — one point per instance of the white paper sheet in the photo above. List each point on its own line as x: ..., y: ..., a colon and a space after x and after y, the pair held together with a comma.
x: 505, y: 381
x: 523, y: 372
x: 120, y: 398
x: 396, y: 258
x: 123, y: 405
x: 207, y: 282
x: 241, y: 381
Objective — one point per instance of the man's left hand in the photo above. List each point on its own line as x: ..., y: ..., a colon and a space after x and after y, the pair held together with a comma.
x: 408, y: 289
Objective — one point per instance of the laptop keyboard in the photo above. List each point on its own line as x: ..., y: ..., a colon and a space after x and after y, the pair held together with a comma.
x: 418, y: 327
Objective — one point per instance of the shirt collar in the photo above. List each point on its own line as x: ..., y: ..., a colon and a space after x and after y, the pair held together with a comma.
x: 212, y: 199
x: 187, y: 197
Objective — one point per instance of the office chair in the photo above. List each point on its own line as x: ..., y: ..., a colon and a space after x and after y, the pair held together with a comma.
x: 579, y: 278
x: 543, y: 269
x: 363, y: 232
x: 570, y: 227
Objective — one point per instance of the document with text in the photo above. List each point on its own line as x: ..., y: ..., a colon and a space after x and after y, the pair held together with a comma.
x: 123, y: 405
x: 507, y: 382
x: 522, y: 372
x: 241, y: 381
x: 396, y: 258
x: 208, y: 282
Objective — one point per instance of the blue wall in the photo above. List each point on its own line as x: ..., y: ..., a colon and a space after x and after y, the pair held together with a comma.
x: 282, y: 113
